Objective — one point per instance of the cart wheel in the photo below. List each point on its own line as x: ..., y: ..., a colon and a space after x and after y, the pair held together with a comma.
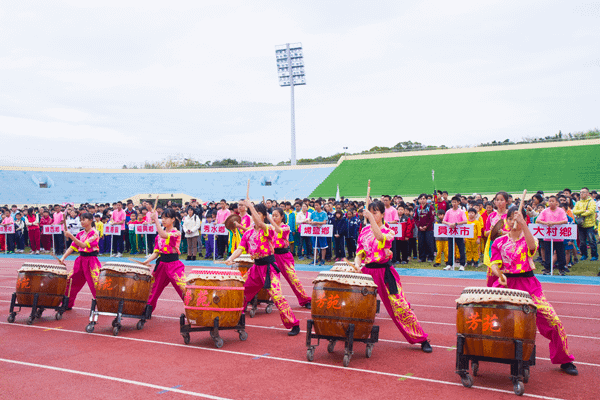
x: 475, y: 368
x: 269, y: 309
x: 30, y: 320
x: 310, y: 354
x: 369, y: 351
x: 243, y: 335
x: 252, y: 312
x: 115, y: 331
x: 331, y: 346
x: 182, y: 319
x: 519, y: 388
x: 218, y: 343
x: 114, y: 322
x: 186, y: 338
x: 212, y: 335
x: 466, y: 380
x: 140, y: 325
x: 10, y: 319
x: 526, y: 375
x: 89, y: 328
x: 58, y: 316
x: 346, y: 360
x: 39, y: 312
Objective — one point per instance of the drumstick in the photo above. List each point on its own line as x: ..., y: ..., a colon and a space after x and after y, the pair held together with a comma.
x: 368, y: 197
x: 248, y: 190
x: 137, y: 261
x: 520, y: 207
x: 58, y: 259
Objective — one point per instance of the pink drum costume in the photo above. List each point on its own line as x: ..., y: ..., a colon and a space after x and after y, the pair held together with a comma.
x: 168, y: 267
x: 285, y: 261
x: 265, y: 273
x: 86, y: 268
x: 487, y: 252
x: 515, y: 260
x: 377, y: 256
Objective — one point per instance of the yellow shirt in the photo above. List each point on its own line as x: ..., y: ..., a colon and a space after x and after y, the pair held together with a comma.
x: 99, y: 229
x: 477, y: 228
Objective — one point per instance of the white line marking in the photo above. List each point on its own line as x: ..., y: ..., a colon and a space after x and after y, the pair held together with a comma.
x: 275, y: 359
x: 112, y: 378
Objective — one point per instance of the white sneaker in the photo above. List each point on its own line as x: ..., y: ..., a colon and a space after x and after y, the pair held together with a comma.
x: 37, y: 252
x: 119, y: 255
x: 449, y: 268
x: 461, y: 268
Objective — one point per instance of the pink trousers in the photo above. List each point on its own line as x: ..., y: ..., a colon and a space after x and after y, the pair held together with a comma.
x: 86, y: 269
x: 255, y: 280
x: 397, y: 306
x: 167, y: 272
x: 285, y: 262
x: 547, y: 321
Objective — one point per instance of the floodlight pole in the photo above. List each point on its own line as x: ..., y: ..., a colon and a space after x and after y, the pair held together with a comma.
x: 289, y: 59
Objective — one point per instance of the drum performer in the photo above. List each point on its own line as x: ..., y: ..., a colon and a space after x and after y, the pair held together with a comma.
x: 511, y: 264
x: 374, y: 246
x: 87, y: 267
x: 166, y: 249
x: 258, y: 242
x: 493, y: 229
x: 285, y: 259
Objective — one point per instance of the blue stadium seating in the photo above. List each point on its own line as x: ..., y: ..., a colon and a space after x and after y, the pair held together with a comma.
x: 23, y: 187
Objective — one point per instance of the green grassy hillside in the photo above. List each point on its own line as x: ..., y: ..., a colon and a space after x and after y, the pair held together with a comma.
x: 549, y: 169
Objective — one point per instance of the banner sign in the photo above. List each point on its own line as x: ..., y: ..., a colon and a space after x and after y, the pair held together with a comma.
x: 141, y: 229
x: 112, y: 230
x: 52, y: 229
x: 557, y: 232
x: 460, y: 231
x: 214, y: 229
x: 397, y: 228
x: 318, y: 231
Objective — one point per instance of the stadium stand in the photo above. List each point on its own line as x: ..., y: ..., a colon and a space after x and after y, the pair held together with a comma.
x: 49, y: 185
x: 480, y: 170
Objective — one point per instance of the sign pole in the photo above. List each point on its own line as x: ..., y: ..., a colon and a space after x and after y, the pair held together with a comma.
x: 53, y: 248
x: 111, y: 243
x: 5, y: 243
x: 214, y: 247
x: 551, y: 257
x: 146, y: 240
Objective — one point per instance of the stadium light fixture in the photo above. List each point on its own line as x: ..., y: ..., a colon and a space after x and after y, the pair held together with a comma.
x: 290, y: 70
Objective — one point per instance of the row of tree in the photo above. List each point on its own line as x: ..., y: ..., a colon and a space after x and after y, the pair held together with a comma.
x: 179, y: 162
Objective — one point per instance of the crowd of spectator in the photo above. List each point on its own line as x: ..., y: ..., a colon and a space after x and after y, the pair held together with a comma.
x: 416, y: 218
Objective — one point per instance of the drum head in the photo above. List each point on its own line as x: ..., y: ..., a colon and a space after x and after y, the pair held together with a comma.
x: 500, y: 295
x: 244, y: 258
x: 215, y: 274
x: 125, y: 268
x: 345, y: 278
x: 44, y: 267
x: 231, y: 220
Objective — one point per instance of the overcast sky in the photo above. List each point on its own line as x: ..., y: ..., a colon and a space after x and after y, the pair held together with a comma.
x: 107, y: 83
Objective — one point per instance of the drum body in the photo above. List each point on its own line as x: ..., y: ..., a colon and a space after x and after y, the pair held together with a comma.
x: 123, y: 281
x: 491, y: 319
x: 212, y: 293
x: 340, y: 299
x: 49, y: 281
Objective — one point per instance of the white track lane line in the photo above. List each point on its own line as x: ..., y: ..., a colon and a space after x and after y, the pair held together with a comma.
x: 315, y: 364
x: 115, y: 379
x: 382, y: 340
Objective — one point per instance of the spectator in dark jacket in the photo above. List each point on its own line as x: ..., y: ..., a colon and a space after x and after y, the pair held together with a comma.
x: 424, y: 220
x: 353, y: 230
x: 340, y: 231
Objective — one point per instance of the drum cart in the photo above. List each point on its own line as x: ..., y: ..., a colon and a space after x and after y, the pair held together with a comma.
x: 116, y: 323
x: 36, y: 311
x: 254, y: 305
x: 348, y: 340
x: 185, y: 330
x: 519, y: 368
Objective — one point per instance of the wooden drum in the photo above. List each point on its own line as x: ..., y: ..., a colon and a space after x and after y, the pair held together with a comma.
x: 491, y: 319
x: 123, y: 281
x: 243, y: 263
x: 212, y: 293
x: 343, y: 298
x: 49, y: 281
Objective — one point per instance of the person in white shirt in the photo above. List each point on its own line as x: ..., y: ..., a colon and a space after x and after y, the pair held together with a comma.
x: 191, y: 226
x: 305, y: 248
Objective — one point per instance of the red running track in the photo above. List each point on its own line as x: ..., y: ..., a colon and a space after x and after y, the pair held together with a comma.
x: 53, y: 359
